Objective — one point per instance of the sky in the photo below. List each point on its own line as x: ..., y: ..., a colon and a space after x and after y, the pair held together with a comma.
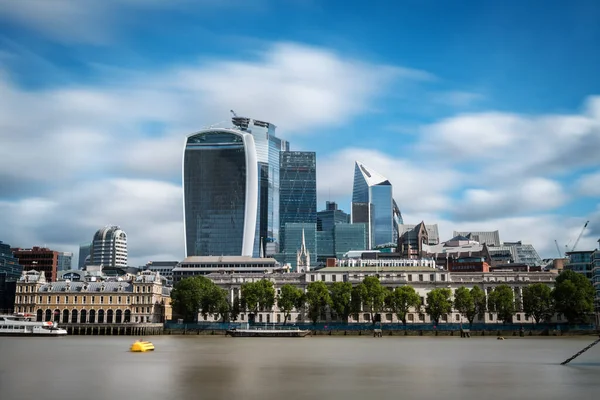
x: 484, y: 115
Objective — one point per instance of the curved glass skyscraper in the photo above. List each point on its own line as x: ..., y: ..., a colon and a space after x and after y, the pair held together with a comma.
x: 220, y: 193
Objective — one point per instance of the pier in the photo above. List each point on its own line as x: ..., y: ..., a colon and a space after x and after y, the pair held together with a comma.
x: 114, y: 329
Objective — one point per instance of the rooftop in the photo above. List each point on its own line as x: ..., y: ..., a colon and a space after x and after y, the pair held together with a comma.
x: 377, y: 269
x: 227, y: 259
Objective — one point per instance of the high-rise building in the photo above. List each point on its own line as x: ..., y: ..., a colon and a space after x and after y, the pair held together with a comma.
x: 40, y: 259
x: 109, y: 247
x: 220, y: 193
x: 300, y: 236
x: 268, y: 149
x: 84, y: 253
x: 330, y: 216
x: 65, y: 260
x: 374, y: 205
x: 298, y: 191
x: 9, y: 264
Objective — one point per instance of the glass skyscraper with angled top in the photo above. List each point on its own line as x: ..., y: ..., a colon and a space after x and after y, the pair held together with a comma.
x: 373, y: 204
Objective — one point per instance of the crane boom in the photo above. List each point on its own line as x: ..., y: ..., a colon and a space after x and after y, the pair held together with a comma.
x: 580, y: 234
x: 558, y: 249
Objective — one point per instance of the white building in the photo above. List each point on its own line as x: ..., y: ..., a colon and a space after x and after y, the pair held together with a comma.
x: 109, y: 247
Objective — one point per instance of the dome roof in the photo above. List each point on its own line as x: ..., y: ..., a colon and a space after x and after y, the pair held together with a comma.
x: 110, y: 233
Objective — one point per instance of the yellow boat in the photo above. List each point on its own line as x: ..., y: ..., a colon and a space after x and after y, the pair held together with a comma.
x: 142, y: 346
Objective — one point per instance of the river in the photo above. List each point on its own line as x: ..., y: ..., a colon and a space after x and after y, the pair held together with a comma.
x: 216, y: 367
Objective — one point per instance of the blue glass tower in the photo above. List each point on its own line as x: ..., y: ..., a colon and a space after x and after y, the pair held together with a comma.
x: 298, y: 189
x: 373, y: 204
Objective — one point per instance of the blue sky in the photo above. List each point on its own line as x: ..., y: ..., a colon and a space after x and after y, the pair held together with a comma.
x: 484, y: 114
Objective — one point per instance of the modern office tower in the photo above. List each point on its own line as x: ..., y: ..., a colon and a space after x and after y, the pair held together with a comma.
x: 349, y: 237
x: 373, y: 204
x: 297, y: 235
x: 268, y: 149
x: 84, y: 253
x: 9, y: 264
x: 40, y: 259
x: 220, y: 193
x: 327, y: 218
x: 298, y: 191
x: 109, y: 247
x: 65, y: 260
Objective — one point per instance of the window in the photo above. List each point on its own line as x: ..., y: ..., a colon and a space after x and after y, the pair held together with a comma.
x: 93, y: 298
x: 421, y: 317
x: 323, y: 278
x: 443, y: 277
x: 66, y: 299
x: 420, y: 277
x: 518, y: 317
x: 84, y: 300
x: 312, y: 278
x: 119, y: 300
x: 411, y: 317
x: 458, y: 317
x: 410, y: 277
x: 333, y: 278
x: 57, y: 299
x: 101, y: 299
x: 491, y: 317
x: 431, y: 277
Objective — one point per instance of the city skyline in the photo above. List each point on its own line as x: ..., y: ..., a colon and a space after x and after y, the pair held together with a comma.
x: 493, y: 131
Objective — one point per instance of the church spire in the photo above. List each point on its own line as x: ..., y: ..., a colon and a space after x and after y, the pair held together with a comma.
x: 303, y: 256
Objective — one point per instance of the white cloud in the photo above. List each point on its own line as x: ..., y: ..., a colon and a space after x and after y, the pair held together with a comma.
x: 589, y: 184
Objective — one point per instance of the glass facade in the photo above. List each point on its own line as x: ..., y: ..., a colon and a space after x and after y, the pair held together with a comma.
x: 373, y: 204
x: 298, y: 190
x: 325, y: 245
x: 9, y: 264
x: 327, y: 218
x: 596, y: 277
x: 349, y: 237
x: 293, y: 242
x: 217, y: 185
x: 581, y: 262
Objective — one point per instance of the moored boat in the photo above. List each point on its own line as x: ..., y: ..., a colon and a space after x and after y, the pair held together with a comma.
x: 22, y: 325
x: 267, y: 332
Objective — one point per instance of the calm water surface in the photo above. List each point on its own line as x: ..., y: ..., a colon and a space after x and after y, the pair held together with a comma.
x: 197, y: 367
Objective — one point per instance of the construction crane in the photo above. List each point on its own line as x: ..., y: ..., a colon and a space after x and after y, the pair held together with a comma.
x: 558, y: 249
x: 233, y: 112
x: 580, y: 234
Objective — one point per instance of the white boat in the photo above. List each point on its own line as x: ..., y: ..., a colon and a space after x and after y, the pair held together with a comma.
x: 258, y: 331
x: 22, y: 325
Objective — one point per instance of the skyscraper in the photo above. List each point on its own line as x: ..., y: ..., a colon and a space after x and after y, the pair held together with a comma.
x: 220, y: 193
x: 268, y: 149
x: 109, y: 247
x: 373, y: 204
x: 64, y: 261
x: 298, y: 189
x: 84, y: 253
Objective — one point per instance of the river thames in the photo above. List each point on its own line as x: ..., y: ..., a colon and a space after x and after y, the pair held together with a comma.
x: 216, y: 367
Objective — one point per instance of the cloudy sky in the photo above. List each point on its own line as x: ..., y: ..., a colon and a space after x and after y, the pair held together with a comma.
x: 484, y: 115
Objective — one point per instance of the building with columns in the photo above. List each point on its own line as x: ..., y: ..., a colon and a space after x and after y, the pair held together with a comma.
x: 422, y: 278
x: 142, y: 300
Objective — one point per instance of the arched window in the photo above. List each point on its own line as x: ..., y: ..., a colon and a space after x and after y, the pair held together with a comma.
x: 92, y: 317
x: 109, y: 317
x: 127, y: 316
x: 74, y: 316
x: 57, y: 316
x: 118, y: 316
x: 65, y: 316
x: 39, y: 316
x: 100, y: 316
x: 48, y: 316
x: 83, y: 316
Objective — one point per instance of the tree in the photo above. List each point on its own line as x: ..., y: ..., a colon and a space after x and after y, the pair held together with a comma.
x: 502, y: 301
x: 438, y: 303
x: 341, y: 299
x: 372, y: 295
x: 537, y: 302
x: 401, y: 300
x: 289, y: 299
x: 573, y: 296
x: 197, y: 294
x: 317, y: 298
x: 258, y: 295
x: 479, y: 299
x: 235, y: 309
x: 356, y: 300
x: 464, y: 303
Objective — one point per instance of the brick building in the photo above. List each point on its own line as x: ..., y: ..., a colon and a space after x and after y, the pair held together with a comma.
x: 40, y: 259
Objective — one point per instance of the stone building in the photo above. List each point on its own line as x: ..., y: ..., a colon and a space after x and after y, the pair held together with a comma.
x: 142, y: 300
x: 422, y: 278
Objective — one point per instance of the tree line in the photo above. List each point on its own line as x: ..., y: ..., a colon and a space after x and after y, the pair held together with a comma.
x: 572, y: 297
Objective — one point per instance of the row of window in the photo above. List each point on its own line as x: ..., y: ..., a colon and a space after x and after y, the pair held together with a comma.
x: 66, y: 299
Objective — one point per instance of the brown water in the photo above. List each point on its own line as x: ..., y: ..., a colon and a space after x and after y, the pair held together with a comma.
x: 205, y: 367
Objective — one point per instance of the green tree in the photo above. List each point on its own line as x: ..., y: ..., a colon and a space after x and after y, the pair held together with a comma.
x: 438, y: 303
x: 573, y: 296
x: 356, y: 300
x: 341, y: 299
x: 372, y: 295
x: 289, y: 298
x: 258, y: 296
x: 197, y: 294
x: 479, y: 299
x: 400, y: 300
x: 464, y: 303
x: 538, y: 303
x: 502, y: 301
x: 235, y: 309
x: 317, y: 299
